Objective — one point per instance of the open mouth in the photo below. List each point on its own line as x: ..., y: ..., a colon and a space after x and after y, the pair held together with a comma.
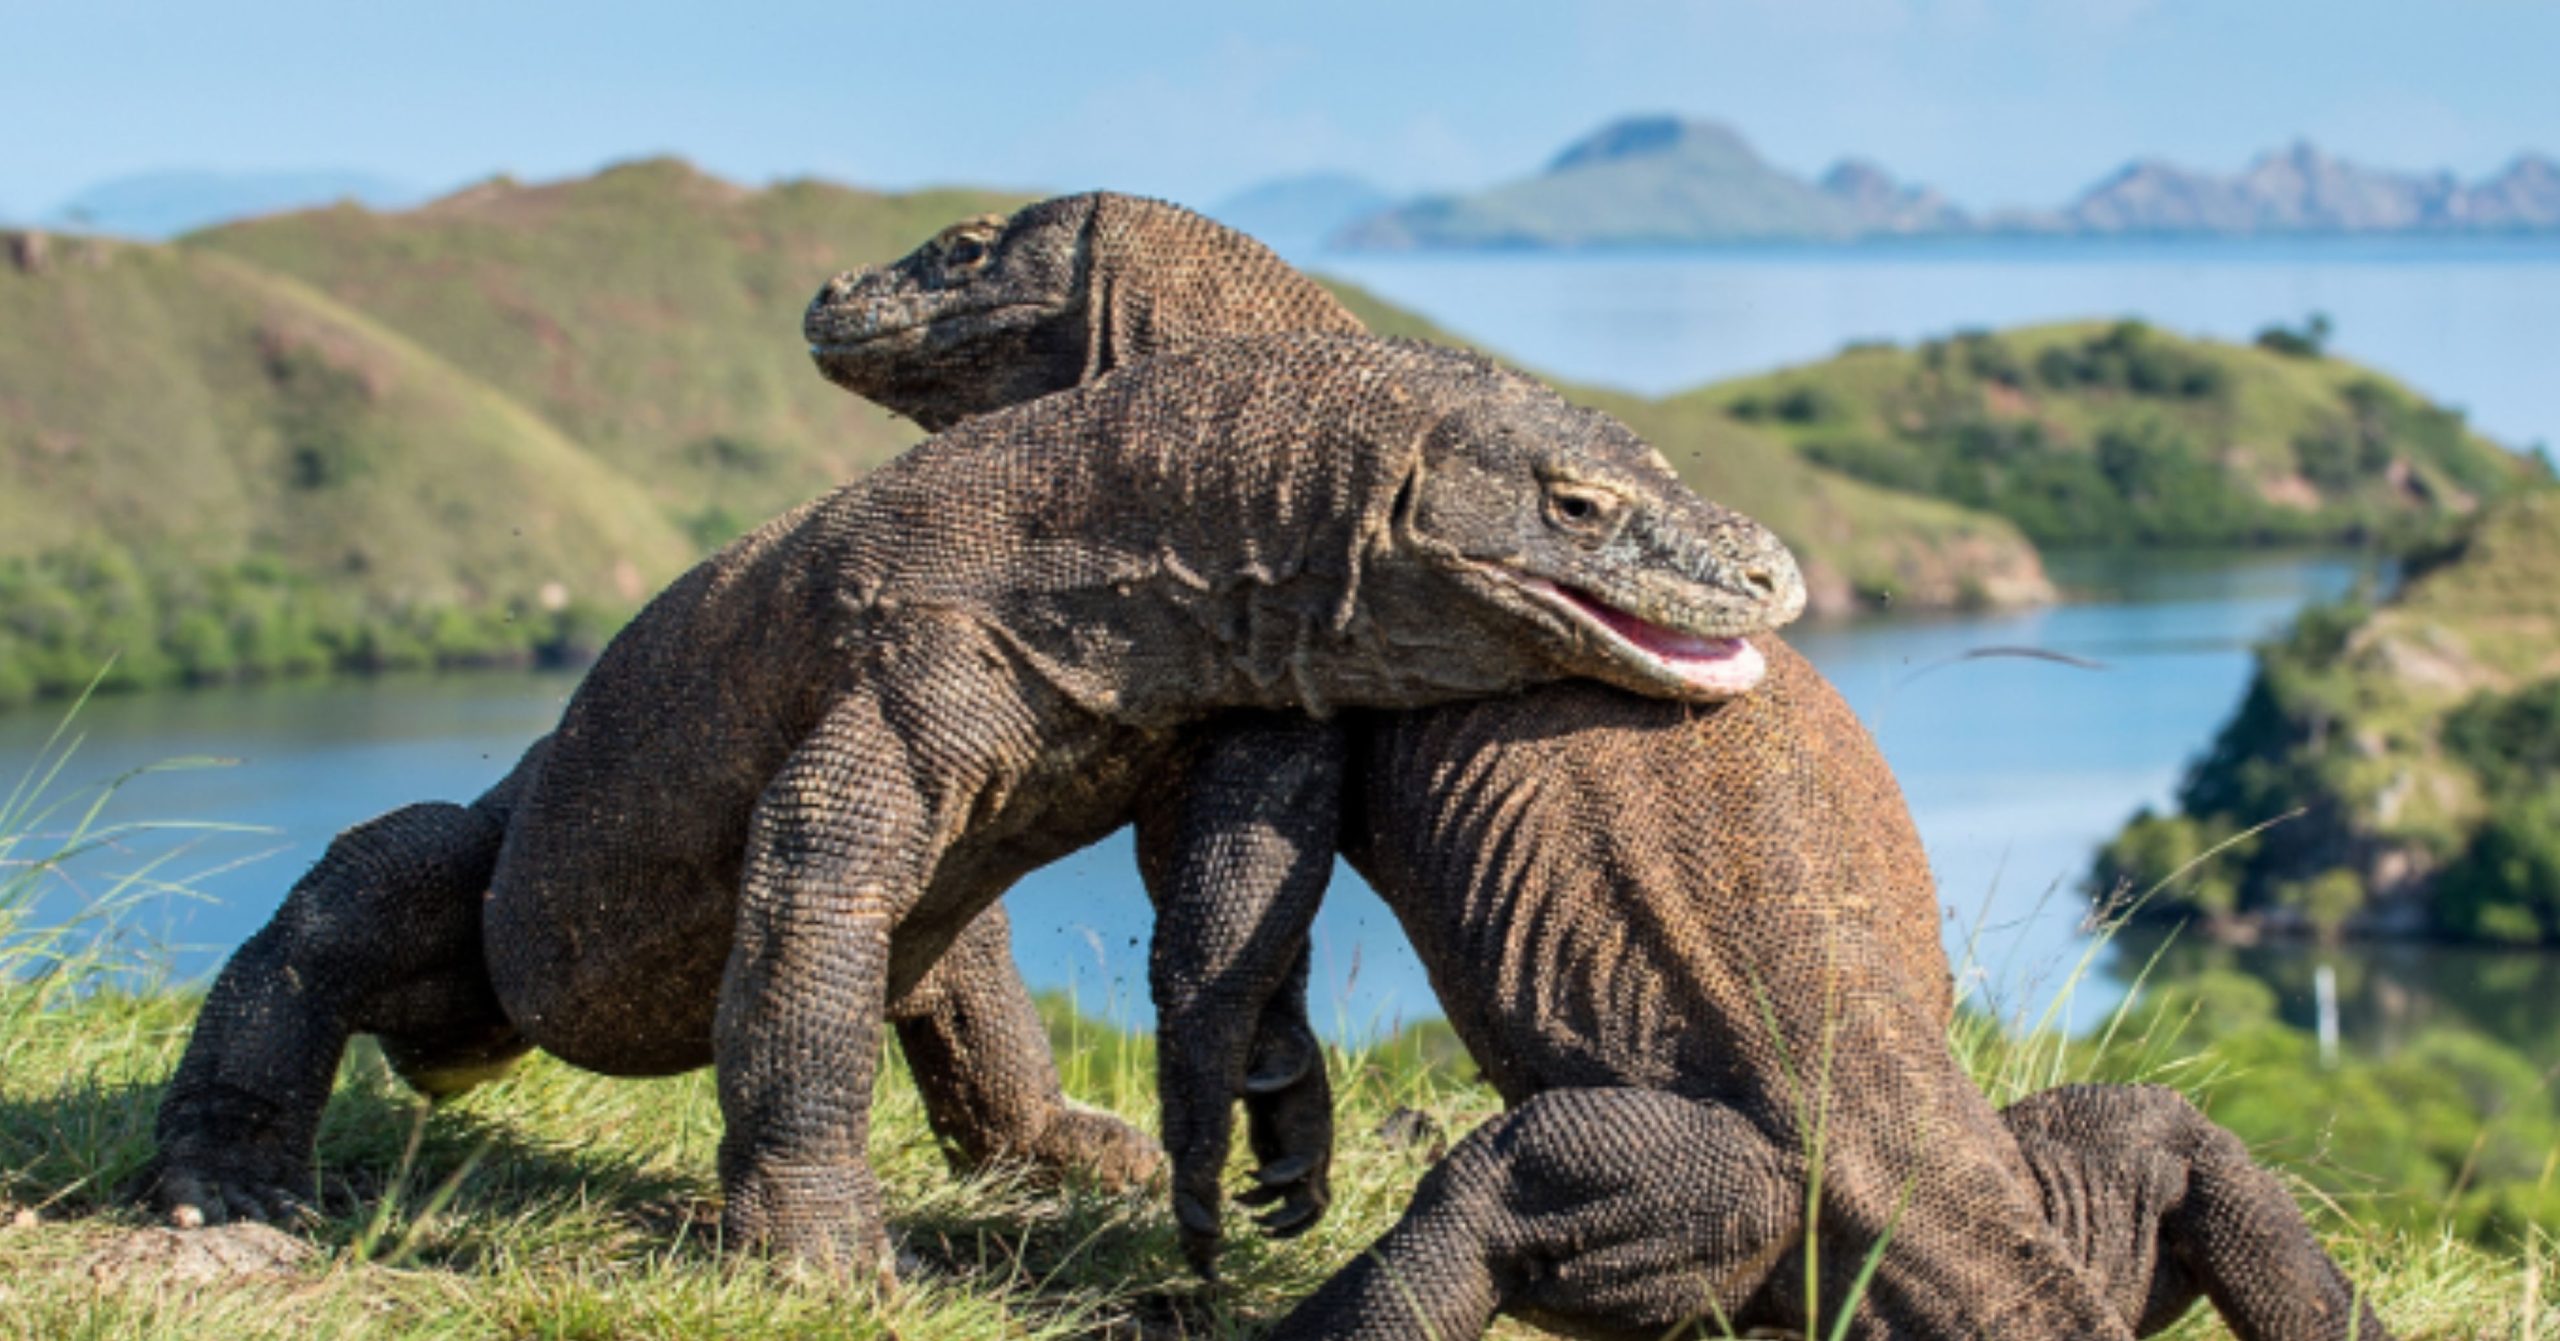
x: 1706, y: 667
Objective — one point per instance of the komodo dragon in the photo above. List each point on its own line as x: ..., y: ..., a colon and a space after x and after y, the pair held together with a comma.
x: 1724, y: 904
x: 808, y: 764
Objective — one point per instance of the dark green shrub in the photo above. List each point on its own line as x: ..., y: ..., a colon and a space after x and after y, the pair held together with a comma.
x: 320, y: 416
x: 2506, y: 886
x: 1808, y: 404
x: 2166, y: 853
x: 2512, y: 740
x: 2309, y: 341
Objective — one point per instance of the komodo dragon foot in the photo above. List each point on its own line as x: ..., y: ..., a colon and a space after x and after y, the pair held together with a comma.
x: 1624, y: 1212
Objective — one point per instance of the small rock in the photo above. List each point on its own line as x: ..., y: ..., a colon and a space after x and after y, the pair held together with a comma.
x: 198, y: 1256
x: 22, y: 1217
x: 29, y: 251
x: 1413, y: 1129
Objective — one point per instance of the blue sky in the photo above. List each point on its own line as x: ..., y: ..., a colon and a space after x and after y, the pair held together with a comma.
x: 1995, y: 101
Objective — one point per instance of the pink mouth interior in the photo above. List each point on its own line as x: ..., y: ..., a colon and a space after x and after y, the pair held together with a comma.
x: 1717, y: 666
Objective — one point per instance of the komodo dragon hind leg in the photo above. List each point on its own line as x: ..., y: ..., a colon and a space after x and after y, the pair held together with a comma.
x: 1634, y: 1212
x: 1605, y: 1212
x: 2169, y: 1208
x: 381, y: 936
x: 974, y: 1041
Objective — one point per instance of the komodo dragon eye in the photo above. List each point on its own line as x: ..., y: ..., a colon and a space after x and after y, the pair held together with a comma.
x: 966, y: 252
x: 1583, y: 509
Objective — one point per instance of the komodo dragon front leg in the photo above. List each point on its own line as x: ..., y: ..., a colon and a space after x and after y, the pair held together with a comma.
x: 842, y: 847
x: 1623, y: 1212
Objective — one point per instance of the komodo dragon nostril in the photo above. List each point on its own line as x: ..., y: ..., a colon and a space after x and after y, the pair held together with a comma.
x: 1761, y: 580
x: 841, y: 285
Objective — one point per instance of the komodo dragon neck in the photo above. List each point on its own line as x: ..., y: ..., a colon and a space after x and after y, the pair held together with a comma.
x: 1158, y: 278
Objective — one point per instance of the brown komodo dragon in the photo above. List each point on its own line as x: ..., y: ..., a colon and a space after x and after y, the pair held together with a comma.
x: 1726, y: 904
x: 806, y: 766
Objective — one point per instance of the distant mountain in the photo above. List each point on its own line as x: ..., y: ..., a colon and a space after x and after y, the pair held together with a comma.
x: 1643, y: 181
x: 1883, y: 205
x: 2303, y: 190
x: 2525, y: 196
x: 1664, y: 181
x: 161, y: 205
x: 1296, y: 214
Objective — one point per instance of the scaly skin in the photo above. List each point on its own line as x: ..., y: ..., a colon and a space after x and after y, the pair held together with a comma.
x: 1627, y: 1212
x: 813, y: 763
x: 1727, y: 904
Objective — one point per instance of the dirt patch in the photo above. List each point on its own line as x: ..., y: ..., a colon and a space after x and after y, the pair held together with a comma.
x: 198, y: 1256
x: 2424, y: 660
x: 2291, y: 491
x: 2007, y: 402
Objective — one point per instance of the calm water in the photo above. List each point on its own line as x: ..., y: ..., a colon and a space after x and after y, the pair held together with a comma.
x: 2474, y: 323
x: 2015, y: 768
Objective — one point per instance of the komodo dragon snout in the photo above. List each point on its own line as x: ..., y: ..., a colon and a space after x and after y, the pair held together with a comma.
x: 1567, y: 520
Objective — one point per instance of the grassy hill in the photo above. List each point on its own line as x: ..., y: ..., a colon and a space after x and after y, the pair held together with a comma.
x: 2421, y: 739
x: 212, y: 467
x: 2123, y: 434
x: 651, y: 312
x: 486, y: 428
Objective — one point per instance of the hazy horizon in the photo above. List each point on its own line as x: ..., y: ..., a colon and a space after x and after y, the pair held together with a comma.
x: 1998, y: 103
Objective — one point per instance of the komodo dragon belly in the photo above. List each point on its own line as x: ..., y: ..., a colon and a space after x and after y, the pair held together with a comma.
x: 1618, y: 891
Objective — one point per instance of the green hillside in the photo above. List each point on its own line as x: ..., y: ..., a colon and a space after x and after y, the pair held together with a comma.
x: 482, y: 429
x: 651, y: 312
x: 657, y: 346
x: 2421, y: 740
x: 2122, y: 434
x: 485, y: 428
x: 213, y: 469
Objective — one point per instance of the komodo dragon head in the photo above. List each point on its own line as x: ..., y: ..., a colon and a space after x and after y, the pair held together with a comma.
x: 1561, y: 517
x: 994, y: 310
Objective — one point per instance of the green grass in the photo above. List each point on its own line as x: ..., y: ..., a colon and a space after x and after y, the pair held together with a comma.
x: 563, y: 1204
